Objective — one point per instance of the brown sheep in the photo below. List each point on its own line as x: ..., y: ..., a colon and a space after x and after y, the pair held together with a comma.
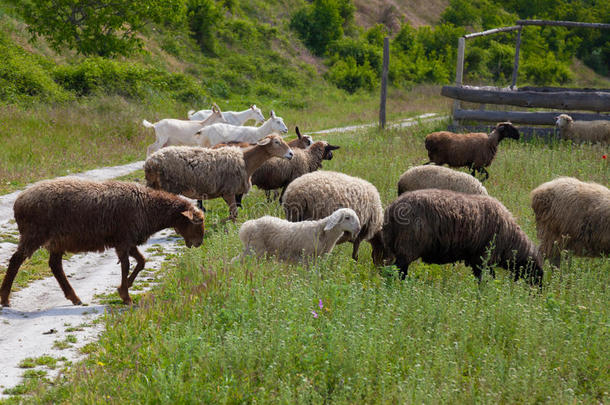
x: 75, y: 215
x: 443, y: 226
x: 474, y: 150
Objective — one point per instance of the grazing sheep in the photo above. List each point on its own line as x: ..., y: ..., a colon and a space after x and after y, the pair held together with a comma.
x: 442, y: 226
x: 170, y: 131
x: 574, y: 215
x: 204, y: 173
x: 423, y: 177
x: 474, y: 150
x: 295, y: 241
x: 75, y: 215
x: 583, y: 131
x: 232, y: 117
x: 317, y: 195
x: 222, y: 133
x: 278, y: 173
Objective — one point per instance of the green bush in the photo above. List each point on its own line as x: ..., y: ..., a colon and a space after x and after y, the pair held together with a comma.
x: 25, y: 76
x: 348, y: 75
x: 203, y: 17
x: 96, y: 75
x: 318, y: 24
x: 545, y: 69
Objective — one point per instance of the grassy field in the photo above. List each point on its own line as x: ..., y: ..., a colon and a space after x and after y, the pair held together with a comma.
x: 346, y: 332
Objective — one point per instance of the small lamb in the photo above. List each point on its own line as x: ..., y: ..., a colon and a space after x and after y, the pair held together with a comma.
x: 297, y: 241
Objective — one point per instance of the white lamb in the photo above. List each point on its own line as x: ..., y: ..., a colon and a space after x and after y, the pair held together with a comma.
x: 232, y: 117
x: 297, y: 241
x: 223, y: 133
x: 175, y: 132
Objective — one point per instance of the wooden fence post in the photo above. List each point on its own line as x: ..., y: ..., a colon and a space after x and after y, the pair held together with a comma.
x: 384, y: 81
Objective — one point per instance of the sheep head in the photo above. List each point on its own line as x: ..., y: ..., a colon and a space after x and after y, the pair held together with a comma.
x: 276, y: 147
x: 258, y: 114
x: 507, y: 130
x: 346, y: 219
x: 328, y: 154
x: 563, y: 120
x: 191, y: 227
x: 277, y: 123
x: 305, y: 139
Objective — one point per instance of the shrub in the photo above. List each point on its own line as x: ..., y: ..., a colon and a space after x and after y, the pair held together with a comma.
x: 318, y: 24
x: 203, y: 17
x: 348, y: 75
x: 545, y: 69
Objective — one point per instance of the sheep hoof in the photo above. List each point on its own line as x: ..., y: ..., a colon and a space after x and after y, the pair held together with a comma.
x: 125, y: 296
x: 5, y: 303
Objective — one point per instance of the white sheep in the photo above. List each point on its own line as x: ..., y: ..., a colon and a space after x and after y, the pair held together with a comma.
x: 223, y: 133
x: 232, y: 117
x: 297, y: 241
x: 318, y: 194
x: 172, y: 132
x: 424, y: 177
x: 574, y: 215
x: 583, y: 131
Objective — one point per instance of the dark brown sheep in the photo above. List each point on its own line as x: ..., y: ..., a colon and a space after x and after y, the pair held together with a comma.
x: 75, y: 215
x: 443, y: 226
x: 278, y: 173
x: 474, y: 150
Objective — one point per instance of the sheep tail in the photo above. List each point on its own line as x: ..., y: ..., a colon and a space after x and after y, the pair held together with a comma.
x: 147, y: 124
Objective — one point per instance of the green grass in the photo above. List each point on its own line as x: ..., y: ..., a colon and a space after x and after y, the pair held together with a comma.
x: 213, y: 332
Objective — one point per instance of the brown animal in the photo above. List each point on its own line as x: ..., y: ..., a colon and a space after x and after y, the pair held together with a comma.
x: 443, y: 226
x: 75, y: 215
x: 475, y: 150
x: 204, y: 173
x: 278, y: 173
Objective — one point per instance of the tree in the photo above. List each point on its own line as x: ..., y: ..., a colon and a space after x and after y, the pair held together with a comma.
x: 98, y: 27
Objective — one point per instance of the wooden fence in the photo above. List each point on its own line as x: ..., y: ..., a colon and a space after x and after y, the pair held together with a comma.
x: 565, y: 100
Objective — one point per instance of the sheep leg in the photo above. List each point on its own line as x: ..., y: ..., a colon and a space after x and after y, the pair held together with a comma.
x: 230, y: 200
x: 282, y: 193
x: 124, y: 287
x: 356, y: 246
x: 403, y: 265
x: 58, y: 271
x: 135, y: 253
x: 377, y: 249
x: 238, y: 198
x: 13, y: 267
x: 268, y: 195
x: 485, y: 173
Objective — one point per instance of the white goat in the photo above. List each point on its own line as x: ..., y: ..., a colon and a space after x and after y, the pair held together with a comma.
x: 171, y: 131
x: 232, y: 117
x: 223, y: 133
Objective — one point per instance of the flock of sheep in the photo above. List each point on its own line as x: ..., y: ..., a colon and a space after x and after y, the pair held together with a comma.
x: 441, y: 215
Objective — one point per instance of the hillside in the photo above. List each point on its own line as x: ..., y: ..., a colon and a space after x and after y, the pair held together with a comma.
x: 393, y: 12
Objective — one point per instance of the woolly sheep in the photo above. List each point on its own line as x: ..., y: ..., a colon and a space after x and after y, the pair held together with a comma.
x: 232, y: 117
x: 423, y: 177
x: 316, y: 195
x: 76, y: 215
x: 204, y: 173
x: 574, y: 215
x: 170, y: 131
x: 278, y: 173
x: 583, y: 131
x: 443, y: 226
x: 474, y: 150
x: 295, y: 241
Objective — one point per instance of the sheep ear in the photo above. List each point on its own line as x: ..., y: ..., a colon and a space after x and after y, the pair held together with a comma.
x: 272, y: 114
x: 264, y: 141
x: 333, y: 221
x: 188, y: 214
x: 298, y: 132
x: 332, y: 147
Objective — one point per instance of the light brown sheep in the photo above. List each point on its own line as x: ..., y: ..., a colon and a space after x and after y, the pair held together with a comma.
x: 317, y: 195
x: 204, y: 173
x: 423, y: 177
x: 583, y: 131
x: 573, y: 215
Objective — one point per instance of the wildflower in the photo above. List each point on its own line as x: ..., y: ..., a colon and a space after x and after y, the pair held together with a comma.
x: 320, y: 304
x: 314, y: 313
x: 101, y: 364
x: 604, y: 156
